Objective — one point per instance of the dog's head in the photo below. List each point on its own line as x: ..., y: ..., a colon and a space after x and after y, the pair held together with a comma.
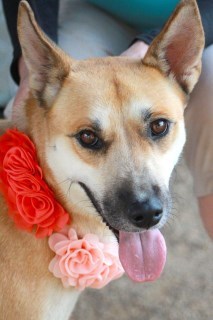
x: 109, y: 131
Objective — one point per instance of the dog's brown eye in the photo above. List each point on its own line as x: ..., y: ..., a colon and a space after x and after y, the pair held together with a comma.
x: 159, y: 127
x: 88, y: 137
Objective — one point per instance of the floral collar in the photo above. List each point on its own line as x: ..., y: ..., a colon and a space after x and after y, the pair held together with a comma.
x: 81, y: 263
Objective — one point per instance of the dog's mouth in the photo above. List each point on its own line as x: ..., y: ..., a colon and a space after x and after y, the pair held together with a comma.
x: 96, y: 205
x: 142, y: 255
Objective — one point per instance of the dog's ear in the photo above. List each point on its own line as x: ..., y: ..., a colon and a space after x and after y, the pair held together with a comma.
x: 48, y: 65
x: 177, y: 50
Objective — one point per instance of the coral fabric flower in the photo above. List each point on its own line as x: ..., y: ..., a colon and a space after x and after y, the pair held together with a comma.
x: 85, y: 262
x: 31, y: 203
x: 18, y: 161
x: 15, y: 138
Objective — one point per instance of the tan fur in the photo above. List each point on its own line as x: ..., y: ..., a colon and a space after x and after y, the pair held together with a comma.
x: 66, y: 99
x: 4, y: 125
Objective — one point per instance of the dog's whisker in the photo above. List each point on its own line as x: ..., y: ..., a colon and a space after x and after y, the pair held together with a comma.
x: 63, y: 181
x: 69, y: 188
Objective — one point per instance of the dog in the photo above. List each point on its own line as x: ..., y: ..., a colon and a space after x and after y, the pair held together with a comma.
x: 108, y: 133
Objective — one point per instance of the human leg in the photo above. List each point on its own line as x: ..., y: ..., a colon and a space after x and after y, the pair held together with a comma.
x: 199, y: 146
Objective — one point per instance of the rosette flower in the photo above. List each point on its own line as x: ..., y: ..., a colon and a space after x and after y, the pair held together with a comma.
x: 85, y: 262
x: 31, y: 202
x: 12, y: 138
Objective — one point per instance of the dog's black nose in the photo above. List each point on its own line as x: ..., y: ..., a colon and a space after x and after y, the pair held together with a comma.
x: 145, y: 214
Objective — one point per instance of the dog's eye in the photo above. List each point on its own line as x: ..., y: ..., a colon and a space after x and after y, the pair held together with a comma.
x: 88, y: 139
x: 159, y: 127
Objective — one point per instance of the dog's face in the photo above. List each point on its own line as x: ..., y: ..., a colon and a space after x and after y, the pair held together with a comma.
x: 117, y: 140
x: 109, y: 131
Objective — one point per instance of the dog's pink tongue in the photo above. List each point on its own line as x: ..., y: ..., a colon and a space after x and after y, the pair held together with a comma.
x: 143, y: 255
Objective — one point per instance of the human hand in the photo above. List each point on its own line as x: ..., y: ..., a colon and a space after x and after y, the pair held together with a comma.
x: 137, y: 50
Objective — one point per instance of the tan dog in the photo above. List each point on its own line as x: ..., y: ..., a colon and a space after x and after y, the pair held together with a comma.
x: 108, y: 133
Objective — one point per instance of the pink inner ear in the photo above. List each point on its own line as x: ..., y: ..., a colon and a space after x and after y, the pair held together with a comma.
x: 182, y: 51
x: 178, y: 49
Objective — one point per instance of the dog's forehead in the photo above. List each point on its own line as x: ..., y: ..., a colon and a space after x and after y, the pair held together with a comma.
x: 106, y: 90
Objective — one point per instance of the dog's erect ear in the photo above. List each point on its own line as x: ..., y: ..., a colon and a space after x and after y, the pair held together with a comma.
x: 177, y: 50
x: 48, y: 65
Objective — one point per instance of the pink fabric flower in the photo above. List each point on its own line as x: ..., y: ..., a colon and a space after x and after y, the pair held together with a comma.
x: 85, y: 262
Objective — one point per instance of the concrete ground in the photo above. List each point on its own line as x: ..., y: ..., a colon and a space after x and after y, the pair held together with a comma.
x: 185, y: 290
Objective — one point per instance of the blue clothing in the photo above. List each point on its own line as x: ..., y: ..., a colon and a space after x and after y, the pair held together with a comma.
x: 140, y: 14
